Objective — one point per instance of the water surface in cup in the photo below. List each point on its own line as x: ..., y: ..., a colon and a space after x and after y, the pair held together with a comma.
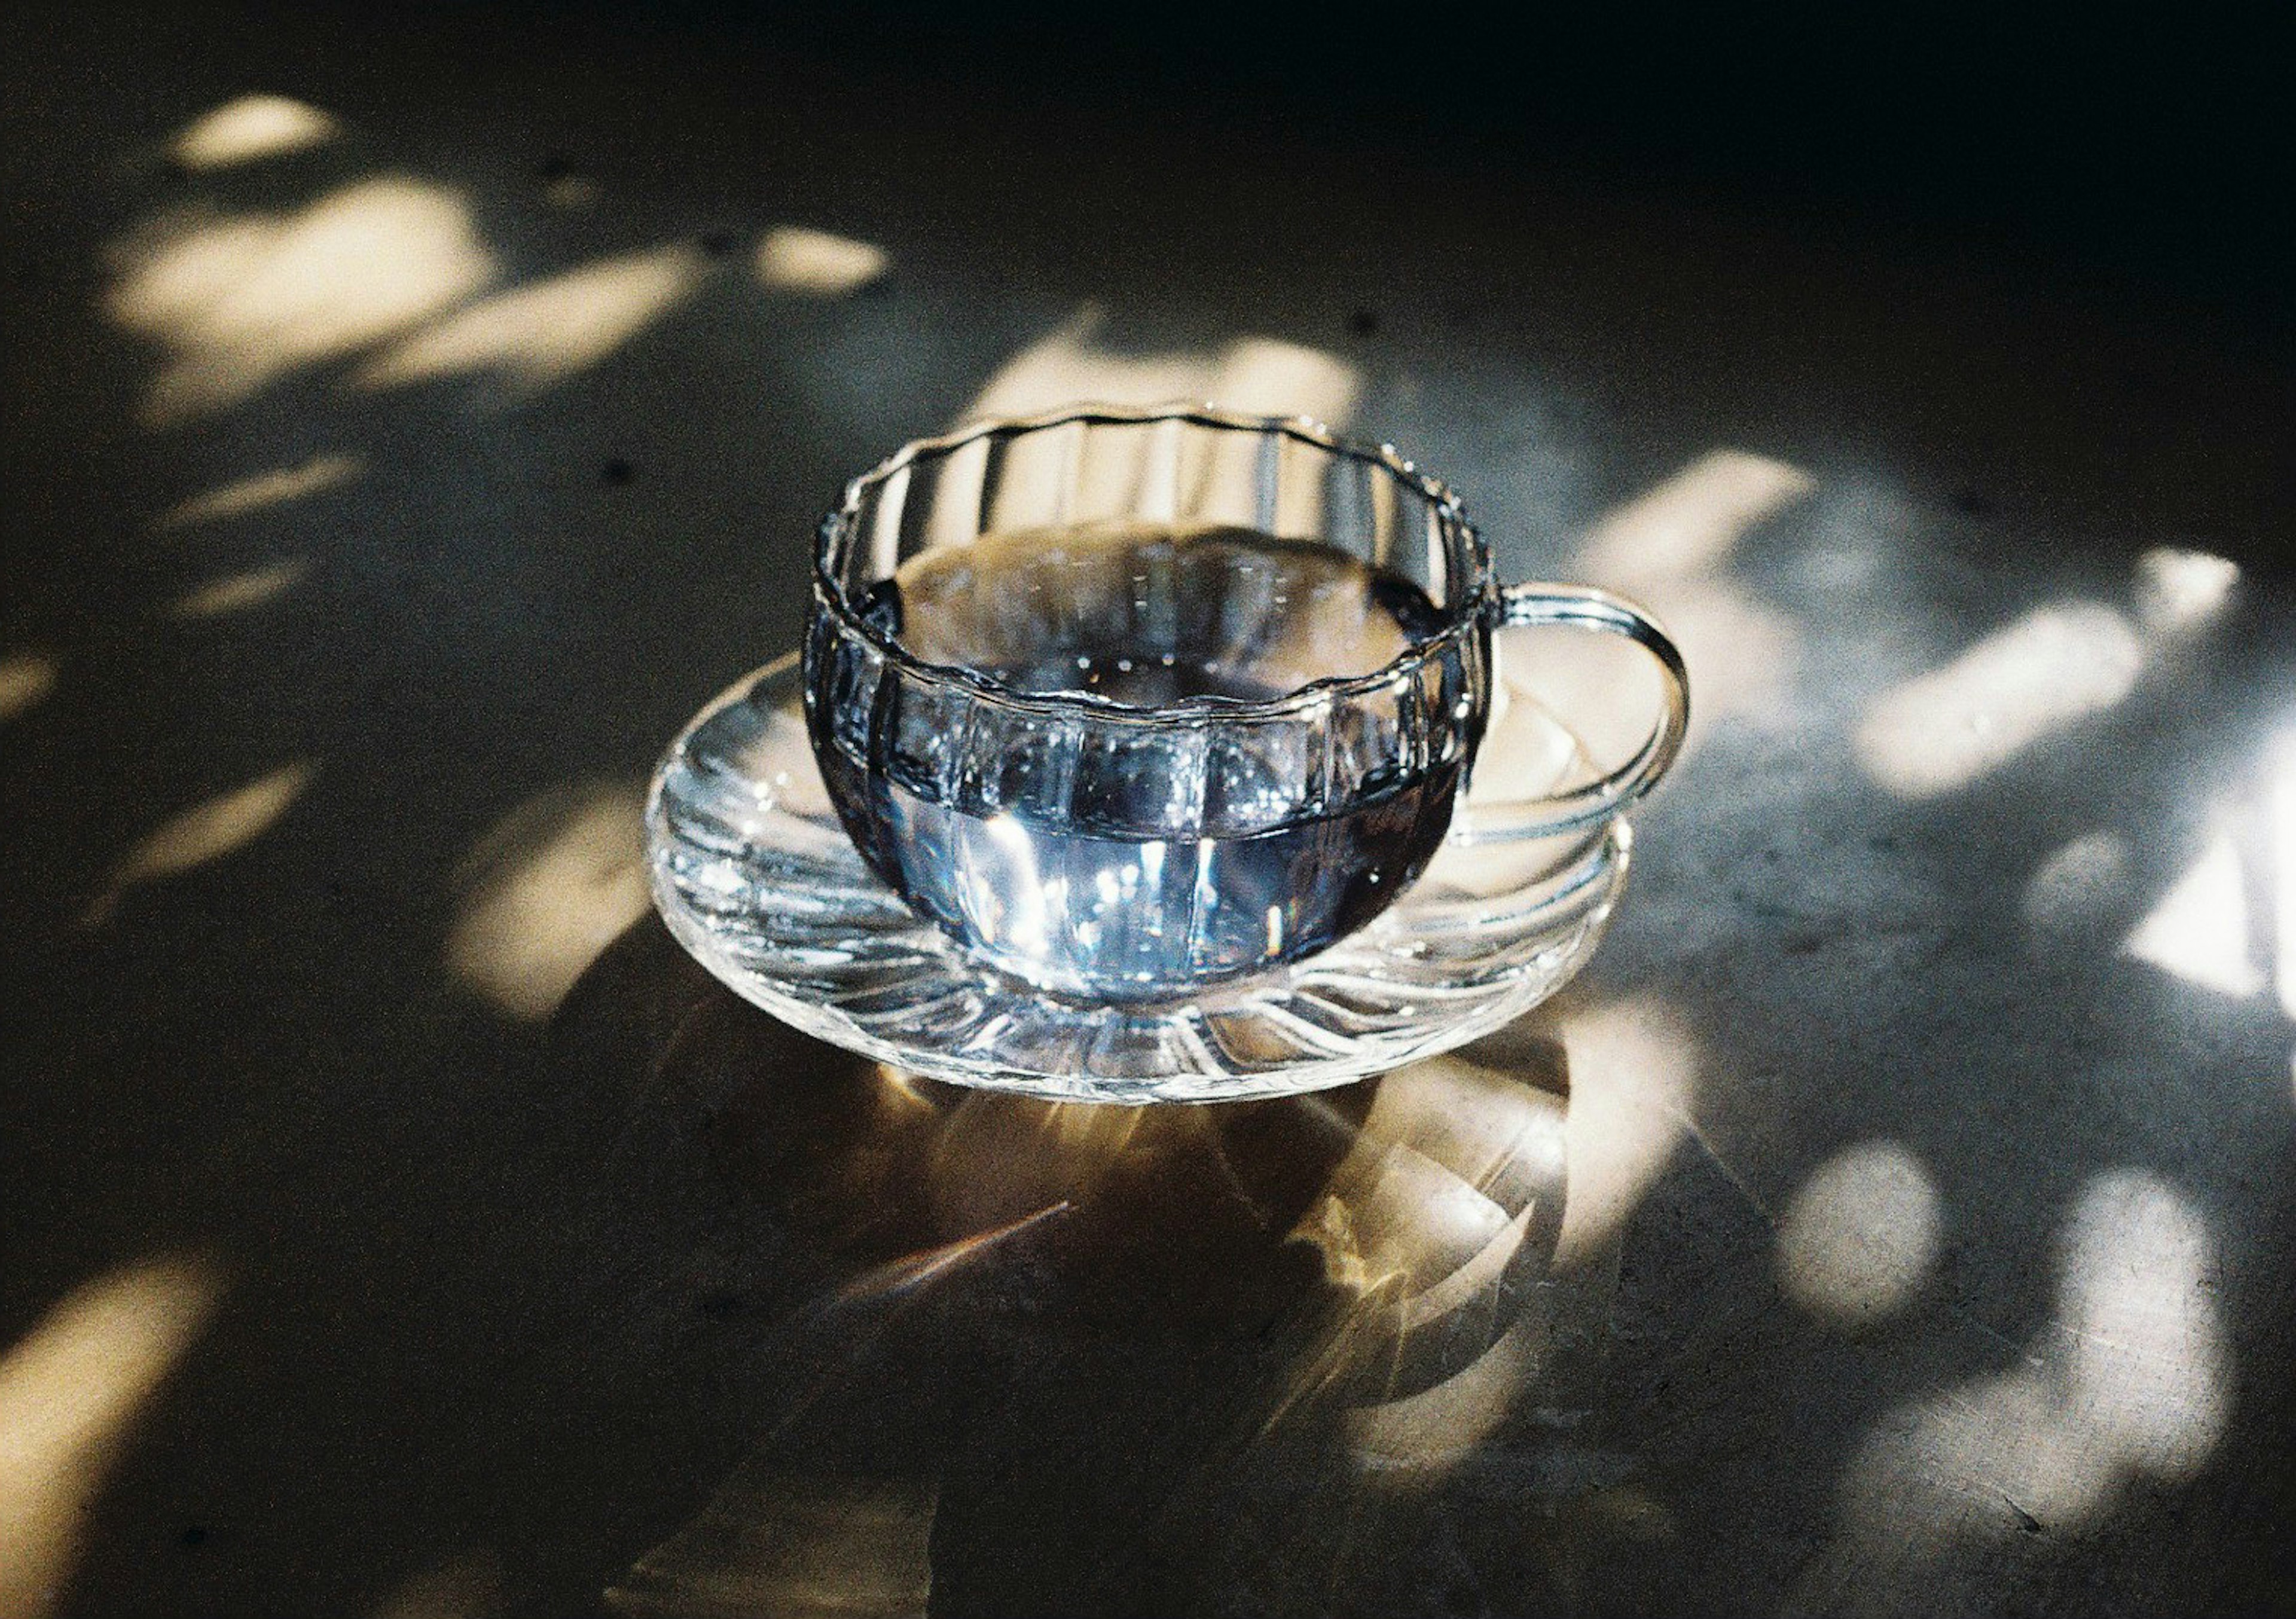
x: 1149, y: 616
x: 1125, y: 868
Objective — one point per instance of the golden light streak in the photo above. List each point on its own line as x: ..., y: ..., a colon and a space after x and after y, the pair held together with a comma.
x: 253, y: 127
x: 26, y: 678
x: 793, y: 258
x: 555, y: 883
x: 206, y: 832
x: 545, y: 331
x: 913, y: 1270
x: 261, y: 490
x: 246, y: 298
x: 67, y: 1395
x: 238, y: 592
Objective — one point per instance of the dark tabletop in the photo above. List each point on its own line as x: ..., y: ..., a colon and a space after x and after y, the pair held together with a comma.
x: 408, y: 426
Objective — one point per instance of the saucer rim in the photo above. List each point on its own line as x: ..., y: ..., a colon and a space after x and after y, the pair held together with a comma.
x: 1610, y: 858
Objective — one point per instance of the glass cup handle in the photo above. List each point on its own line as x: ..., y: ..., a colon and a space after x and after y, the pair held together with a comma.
x: 1578, y: 607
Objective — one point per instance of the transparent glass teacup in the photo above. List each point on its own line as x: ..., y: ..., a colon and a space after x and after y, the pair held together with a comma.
x: 1134, y: 702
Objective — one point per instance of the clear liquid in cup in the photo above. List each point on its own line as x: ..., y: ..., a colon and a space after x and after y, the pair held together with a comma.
x: 1073, y: 887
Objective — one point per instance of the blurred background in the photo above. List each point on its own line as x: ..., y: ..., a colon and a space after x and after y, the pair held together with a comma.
x: 412, y: 415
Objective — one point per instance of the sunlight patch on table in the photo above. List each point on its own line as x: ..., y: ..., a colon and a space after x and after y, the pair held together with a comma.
x: 2179, y: 591
x: 1690, y: 523
x: 1670, y: 547
x: 239, y: 593
x: 26, y: 679
x: 1266, y: 375
x: 245, y: 299
x: 2079, y: 885
x: 262, y: 490
x: 546, y: 893
x: 545, y: 331
x: 1633, y: 1073
x: 206, y: 832
x: 68, y: 1392
x: 1260, y: 375
x: 2280, y: 764
x: 2199, y: 931
x: 2052, y: 668
x: 774, y: 1541
x: 1860, y: 1237
x: 250, y: 127
x: 2148, y: 1362
x: 822, y: 264
x: 2129, y: 1382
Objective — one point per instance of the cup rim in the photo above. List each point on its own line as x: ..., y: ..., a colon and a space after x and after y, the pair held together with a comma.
x: 1470, y: 608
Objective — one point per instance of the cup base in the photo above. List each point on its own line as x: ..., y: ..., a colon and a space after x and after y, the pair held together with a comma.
x: 755, y: 875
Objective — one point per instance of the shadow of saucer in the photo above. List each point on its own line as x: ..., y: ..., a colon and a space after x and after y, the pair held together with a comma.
x: 1014, y: 1356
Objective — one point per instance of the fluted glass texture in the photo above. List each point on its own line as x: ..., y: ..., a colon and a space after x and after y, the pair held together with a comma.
x: 1132, y: 702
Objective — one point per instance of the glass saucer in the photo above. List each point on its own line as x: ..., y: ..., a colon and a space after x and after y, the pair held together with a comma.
x: 755, y: 875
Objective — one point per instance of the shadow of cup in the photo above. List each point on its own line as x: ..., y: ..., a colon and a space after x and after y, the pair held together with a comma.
x: 1430, y: 1198
x: 1361, y: 1272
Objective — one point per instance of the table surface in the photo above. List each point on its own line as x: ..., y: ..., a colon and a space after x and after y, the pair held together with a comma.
x: 402, y: 438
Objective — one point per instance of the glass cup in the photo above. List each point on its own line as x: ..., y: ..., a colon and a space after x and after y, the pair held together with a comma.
x: 1133, y: 702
